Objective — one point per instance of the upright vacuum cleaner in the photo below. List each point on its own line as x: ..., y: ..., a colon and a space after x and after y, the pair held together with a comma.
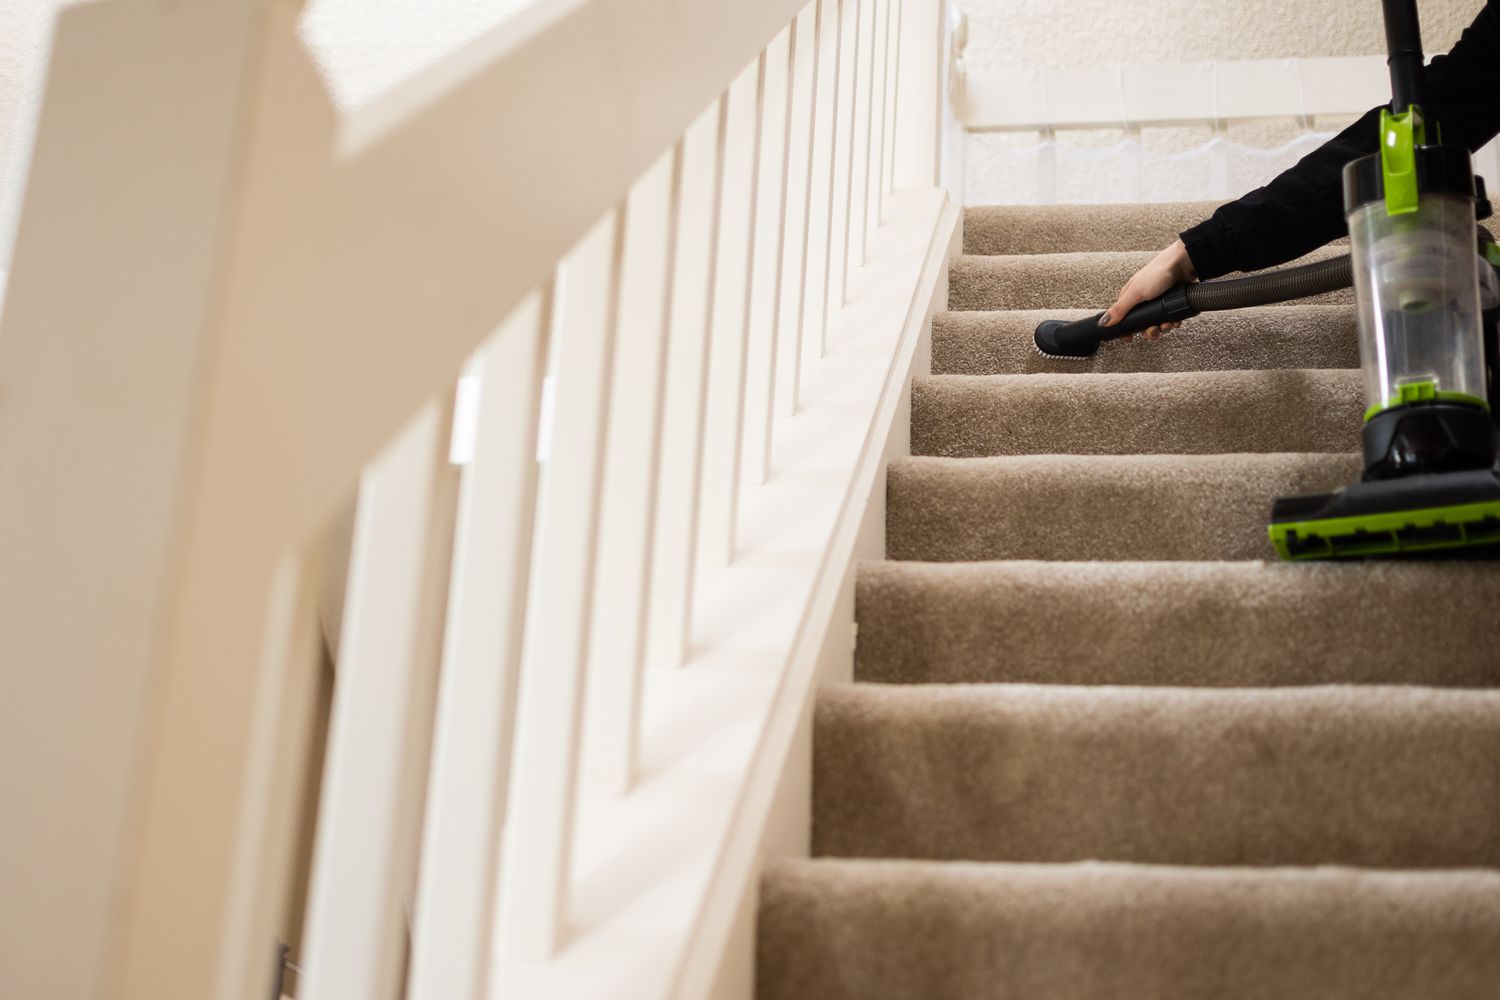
x: 1430, y: 483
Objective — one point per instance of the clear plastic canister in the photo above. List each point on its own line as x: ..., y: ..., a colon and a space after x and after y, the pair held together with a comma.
x: 1416, y: 279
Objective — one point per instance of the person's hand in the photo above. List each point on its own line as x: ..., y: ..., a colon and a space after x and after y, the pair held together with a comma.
x: 1168, y: 268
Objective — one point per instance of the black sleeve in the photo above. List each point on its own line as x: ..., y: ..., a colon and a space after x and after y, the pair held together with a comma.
x: 1303, y: 207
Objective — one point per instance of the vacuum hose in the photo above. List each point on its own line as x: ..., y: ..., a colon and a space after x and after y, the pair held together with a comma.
x: 1081, y: 338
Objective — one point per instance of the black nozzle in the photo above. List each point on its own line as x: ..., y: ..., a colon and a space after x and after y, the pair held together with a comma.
x: 1082, y: 337
x: 1403, y: 44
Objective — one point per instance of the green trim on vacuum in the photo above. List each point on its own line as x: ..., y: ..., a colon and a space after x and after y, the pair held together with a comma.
x: 1424, y: 391
x: 1400, y: 135
x: 1383, y: 534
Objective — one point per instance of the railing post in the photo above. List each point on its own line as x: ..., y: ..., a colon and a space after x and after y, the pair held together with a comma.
x: 143, y: 646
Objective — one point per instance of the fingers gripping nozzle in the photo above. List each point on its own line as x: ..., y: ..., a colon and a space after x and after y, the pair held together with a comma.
x: 1081, y: 338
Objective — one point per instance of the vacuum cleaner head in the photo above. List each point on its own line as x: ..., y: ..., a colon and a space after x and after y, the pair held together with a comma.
x: 1068, y: 348
x: 1412, y: 515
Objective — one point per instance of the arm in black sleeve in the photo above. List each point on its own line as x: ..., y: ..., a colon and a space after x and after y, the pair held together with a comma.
x: 1303, y: 207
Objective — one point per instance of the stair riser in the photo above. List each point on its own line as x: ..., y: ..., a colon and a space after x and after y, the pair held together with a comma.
x: 1379, y: 777
x: 1203, y: 624
x: 871, y: 931
x: 1112, y: 508
x: 1204, y: 413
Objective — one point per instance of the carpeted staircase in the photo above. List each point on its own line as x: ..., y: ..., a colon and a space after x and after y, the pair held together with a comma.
x: 1098, y: 747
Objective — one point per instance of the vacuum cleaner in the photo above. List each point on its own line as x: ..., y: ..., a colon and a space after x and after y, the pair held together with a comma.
x: 1427, y: 316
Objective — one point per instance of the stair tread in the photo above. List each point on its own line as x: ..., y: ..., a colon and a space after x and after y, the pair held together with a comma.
x: 1151, y: 507
x: 1377, y: 776
x: 1088, y: 279
x: 1213, y: 624
x: 921, y: 930
x: 987, y: 342
x: 1288, y: 410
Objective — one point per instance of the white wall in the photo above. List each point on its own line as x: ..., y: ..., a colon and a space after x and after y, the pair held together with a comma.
x: 1094, y: 165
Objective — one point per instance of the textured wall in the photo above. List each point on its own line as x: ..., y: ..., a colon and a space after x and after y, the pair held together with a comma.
x: 1173, y: 164
x: 366, y: 46
x: 1025, y: 33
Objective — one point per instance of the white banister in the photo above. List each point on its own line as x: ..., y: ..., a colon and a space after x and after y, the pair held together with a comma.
x: 535, y: 871
x: 365, y: 855
x: 622, y: 586
x: 725, y: 419
x: 663, y: 236
x: 800, y: 172
x: 475, y: 721
x: 677, y: 515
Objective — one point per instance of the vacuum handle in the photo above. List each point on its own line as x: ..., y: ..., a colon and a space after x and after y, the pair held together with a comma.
x: 1085, y: 334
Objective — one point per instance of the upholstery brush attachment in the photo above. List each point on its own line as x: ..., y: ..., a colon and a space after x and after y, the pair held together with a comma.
x: 1056, y: 338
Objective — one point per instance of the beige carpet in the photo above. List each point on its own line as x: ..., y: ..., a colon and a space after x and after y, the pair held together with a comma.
x: 1100, y: 746
x: 1065, y: 280
x: 985, y: 342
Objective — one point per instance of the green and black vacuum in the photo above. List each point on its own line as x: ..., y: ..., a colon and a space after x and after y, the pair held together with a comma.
x: 1427, y: 339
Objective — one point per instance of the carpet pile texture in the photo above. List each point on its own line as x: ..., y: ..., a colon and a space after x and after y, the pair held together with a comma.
x: 1100, y: 744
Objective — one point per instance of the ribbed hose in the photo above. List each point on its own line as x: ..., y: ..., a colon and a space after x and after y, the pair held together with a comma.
x: 1275, y: 286
x: 1081, y: 338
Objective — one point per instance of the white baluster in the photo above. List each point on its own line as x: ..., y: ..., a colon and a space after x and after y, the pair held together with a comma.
x: 726, y: 393
x: 674, y: 565
x: 795, y: 259
x: 766, y: 275
x: 539, y: 827
x: 843, y: 182
x: 922, y: 57
x: 626, y: 545
x: 379, y: 731
x: 820, y: 237
x: 481, y: 660
x: 875, y: 193
x: 892, y: 96
x: 859, y: 176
